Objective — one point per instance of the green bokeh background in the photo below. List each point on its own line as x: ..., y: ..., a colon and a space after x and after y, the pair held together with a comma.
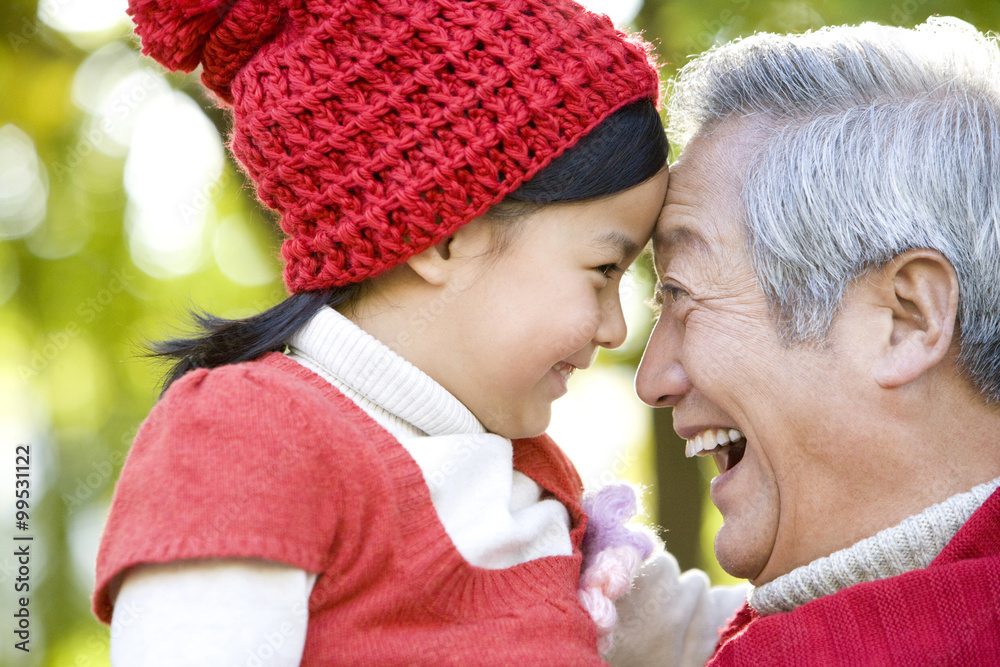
x: 76, y: 305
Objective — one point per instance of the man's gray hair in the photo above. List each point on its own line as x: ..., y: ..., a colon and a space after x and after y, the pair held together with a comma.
x: 879, y: 140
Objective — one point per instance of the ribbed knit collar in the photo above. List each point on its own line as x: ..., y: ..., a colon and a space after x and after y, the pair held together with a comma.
x: 367, y: 370
x: 910, y: 545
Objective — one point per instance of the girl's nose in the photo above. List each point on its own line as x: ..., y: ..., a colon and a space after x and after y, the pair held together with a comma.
x: 661, y: 380
x: 612, y: 331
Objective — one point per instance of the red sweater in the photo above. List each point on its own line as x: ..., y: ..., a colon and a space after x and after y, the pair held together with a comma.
x: 268, y: 460
x: 945, y: 615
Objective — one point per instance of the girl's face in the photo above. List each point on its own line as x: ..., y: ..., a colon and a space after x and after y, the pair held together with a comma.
x: 519, y: 324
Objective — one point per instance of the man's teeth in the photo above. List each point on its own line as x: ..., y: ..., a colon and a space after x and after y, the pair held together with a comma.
x: 565, y: 370
x: 707, y: 441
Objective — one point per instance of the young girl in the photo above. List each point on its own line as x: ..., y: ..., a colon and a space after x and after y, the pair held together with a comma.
x: 359, y: 475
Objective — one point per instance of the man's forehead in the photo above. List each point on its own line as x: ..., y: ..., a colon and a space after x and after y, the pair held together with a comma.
x: 703, y: 196
x: 683, y: 210
x: 676, y: 239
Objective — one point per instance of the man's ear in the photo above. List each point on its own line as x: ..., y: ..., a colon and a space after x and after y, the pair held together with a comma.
x: 920, y: 289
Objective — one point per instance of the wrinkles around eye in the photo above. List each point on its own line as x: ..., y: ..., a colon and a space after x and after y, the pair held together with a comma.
x: 666, y: 295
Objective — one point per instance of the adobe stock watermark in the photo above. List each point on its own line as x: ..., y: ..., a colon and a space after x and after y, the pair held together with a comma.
x: 125, y: 103
x: 87, y: 311
x: 712, y: 29
x: 272, y: 646
x: 48, y: 12
x: 428, y: 315
x: 205, y: 196
x: 905, y: 13
x: 624, y: 461
x: 97, y: 476
x: 31, y: 28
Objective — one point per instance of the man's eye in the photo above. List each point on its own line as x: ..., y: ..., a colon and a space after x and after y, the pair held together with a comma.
x: 670, y: 293
x: 665, y: 295
x: 611, y: 270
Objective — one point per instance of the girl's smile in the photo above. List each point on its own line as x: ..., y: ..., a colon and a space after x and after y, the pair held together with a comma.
x: 540, y: 310
x: 510, y: 326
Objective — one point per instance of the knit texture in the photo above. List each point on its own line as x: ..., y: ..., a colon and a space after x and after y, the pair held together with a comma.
x: 397, y: 394
x: 910, y: 545
x: 947, y: 614
x: 495, y: 516
x: 613, y: 552
x: 375, y: 128
x: 267, y: 460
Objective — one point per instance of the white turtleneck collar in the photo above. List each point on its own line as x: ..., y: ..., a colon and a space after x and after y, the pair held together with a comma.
x: 401, y: 397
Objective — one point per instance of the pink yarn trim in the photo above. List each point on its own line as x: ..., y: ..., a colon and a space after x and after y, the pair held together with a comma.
x: 612, y: 556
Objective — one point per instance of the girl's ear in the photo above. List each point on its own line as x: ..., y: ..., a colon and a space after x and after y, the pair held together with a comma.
x: 466, y: 246
x: 433, y: 264
x: 920, y: 289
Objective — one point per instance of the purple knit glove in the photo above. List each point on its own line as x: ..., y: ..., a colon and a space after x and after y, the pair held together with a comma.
x: 612, y: 555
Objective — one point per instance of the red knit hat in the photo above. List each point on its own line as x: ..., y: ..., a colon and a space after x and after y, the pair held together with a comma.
x: 378, y: 127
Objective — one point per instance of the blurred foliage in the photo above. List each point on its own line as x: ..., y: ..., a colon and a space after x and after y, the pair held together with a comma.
x: 683, y: 28
x: 93, y: 264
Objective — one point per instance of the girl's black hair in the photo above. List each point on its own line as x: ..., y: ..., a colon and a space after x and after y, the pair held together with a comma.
x: 626, y: 149
x: 232, y: 341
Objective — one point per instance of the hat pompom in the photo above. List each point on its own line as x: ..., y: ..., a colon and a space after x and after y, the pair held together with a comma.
x: 174, y: 32
x: 221, y: 35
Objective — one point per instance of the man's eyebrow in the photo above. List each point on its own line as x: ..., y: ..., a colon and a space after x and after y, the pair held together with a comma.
x: 680, y: 237
x: 617, y: 241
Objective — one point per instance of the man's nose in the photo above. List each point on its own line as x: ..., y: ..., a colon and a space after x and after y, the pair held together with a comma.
x: 661, y: 380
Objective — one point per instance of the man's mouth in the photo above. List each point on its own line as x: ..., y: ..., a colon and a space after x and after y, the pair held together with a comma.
x: 725, y: 445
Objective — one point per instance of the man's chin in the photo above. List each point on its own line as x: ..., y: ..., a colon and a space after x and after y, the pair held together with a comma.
x: 742, y: 559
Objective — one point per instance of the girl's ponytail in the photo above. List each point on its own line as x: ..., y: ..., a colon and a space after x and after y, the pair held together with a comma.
x: 232, y: 341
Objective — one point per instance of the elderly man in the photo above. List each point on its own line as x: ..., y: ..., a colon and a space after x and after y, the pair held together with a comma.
x: 829, y: 274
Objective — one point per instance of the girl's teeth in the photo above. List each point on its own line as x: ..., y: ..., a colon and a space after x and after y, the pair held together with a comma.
x: 708, y: 440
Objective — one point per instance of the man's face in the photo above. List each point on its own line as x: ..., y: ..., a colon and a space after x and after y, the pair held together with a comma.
x: 796, y: 473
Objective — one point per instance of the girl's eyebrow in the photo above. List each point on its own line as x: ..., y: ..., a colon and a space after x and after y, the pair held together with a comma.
x: 616, y: 240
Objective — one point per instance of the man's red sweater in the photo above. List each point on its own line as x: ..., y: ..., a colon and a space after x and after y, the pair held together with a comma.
x: 945, y: 615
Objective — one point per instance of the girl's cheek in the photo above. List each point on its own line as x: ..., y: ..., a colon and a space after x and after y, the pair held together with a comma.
x: 585, y: 331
